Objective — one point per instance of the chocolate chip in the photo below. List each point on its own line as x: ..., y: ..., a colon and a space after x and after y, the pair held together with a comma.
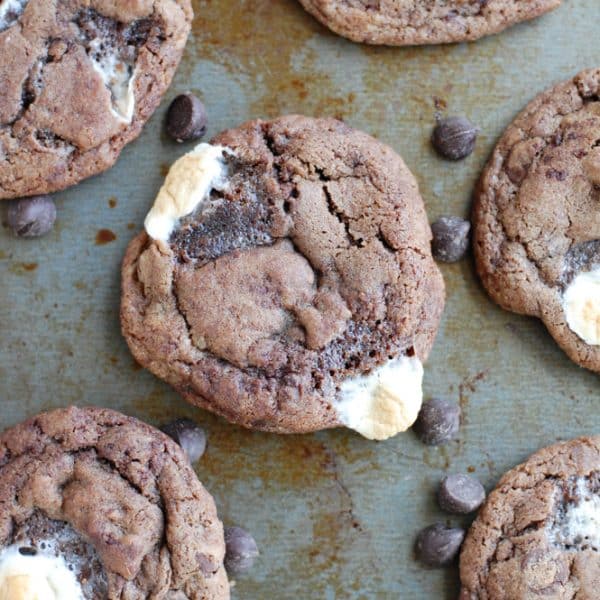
x: 188, y: 435
x: 450, y: 238
x: 454, y: 137
x: 27, y: 551
x: 32, y: 217
x: 460, y: 494
x: 438, y: 545
x: 438, y: 422
x: 240, y: 550
x: 186, y: 118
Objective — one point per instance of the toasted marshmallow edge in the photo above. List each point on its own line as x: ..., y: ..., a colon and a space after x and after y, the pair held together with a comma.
x: 581, y: 522
x: 385, y: 402
x: 38, y: 577
x: 581, y: 305
x: 187, y: 186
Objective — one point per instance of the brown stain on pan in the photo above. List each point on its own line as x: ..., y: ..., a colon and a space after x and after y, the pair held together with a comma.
x: 23, y: 268
x: 290, y: 461
x: 287, y: 80
x: 295, y: 462
x: 105, y: 236
x: 310, y: 468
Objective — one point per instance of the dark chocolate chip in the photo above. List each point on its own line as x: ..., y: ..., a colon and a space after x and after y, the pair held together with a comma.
x: 460, y: 494
x: 438, y: 545
x: 188, y: 435
x: 27, y: 551
x: 240, y: 550
x: 32, y: 217
x: 186, y: 118
x: 450, y: 238
x: 438, y: 422
x: 454, y: 137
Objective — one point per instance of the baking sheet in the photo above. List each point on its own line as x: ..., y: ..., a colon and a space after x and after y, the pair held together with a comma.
x: 334, y: 515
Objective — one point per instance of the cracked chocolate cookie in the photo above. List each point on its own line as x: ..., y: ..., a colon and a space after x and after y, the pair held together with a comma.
x: 412, y: 22
x: 537, y: 216
x: 285, y: 280
x: 79, y: 80
x: 97, y: 505
x: 538, y: 534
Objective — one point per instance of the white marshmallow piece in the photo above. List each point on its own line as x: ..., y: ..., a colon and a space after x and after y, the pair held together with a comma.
x: 186, y: 188
x: 37, y: 577
x: 385, y: 402
x: 580, y: 525
x: 581, y: 304
x: 117, y: 77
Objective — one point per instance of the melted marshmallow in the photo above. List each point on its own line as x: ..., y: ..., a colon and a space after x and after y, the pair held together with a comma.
x: 385, y: 402
x: 186, y: 188
x: 581, y: 304
x: 37, y: 577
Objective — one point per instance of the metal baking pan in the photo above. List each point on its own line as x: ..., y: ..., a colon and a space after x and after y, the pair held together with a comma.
x: 335, y: 515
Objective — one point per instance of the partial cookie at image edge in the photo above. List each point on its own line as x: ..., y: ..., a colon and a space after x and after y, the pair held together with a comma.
x: 538, y: 531
x: 367, y: 25
x: 114, y: 500
x: 546, y: 168
x: 67, y: 110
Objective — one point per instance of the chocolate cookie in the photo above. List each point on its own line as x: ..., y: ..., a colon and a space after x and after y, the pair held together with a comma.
x: 79, y: 80
x: 412, y: 22
x: 537, y: 216
x: 285, y: 280
x: 98, y: 505
x: 538, y: 534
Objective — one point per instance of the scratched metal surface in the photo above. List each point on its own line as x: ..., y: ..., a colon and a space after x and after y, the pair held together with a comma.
x: 335, y: 515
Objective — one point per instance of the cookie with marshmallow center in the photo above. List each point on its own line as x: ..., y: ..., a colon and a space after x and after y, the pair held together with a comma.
x: 284, y: 280
x: 97, y: 505
x: 537, y: 216
x: 538, y: 533
x: 78, y: 82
